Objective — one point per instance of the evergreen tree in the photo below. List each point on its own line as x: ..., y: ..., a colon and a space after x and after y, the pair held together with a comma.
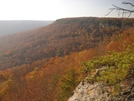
x: 68, y: 84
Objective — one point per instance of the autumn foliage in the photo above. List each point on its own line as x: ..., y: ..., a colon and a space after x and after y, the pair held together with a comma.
x: 32, y: 63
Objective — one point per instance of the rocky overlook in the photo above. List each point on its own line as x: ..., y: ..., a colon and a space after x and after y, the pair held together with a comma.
x: 86, y: 91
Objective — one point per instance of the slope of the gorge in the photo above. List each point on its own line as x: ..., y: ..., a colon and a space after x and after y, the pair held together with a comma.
x: 58, y: 39
x: 111, y: 77
x: 39, y: 81
x: 33, y: 63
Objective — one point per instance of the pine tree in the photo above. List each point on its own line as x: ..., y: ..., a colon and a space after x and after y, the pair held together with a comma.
x: 68, y: 84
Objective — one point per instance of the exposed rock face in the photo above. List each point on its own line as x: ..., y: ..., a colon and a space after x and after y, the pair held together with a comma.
x: 98, y: 92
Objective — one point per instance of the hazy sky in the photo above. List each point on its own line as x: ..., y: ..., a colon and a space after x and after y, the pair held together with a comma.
x: 55, y: 9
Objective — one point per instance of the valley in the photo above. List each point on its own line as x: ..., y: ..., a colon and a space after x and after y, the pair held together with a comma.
x: 33, y: 62
x: 16, y: 26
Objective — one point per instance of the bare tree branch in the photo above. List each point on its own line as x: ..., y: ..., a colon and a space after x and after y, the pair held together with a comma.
x: 128, y: 3
x: 122, y: 11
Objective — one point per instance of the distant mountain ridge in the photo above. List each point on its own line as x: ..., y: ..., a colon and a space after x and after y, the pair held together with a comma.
x: 15, y: 26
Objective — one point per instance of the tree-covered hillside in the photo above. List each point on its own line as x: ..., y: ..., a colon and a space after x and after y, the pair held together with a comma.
x: 58, y: 39
x: 33, y: 64
x: 112, y: 70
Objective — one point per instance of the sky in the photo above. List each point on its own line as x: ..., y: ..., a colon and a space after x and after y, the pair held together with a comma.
x: 56, y: 9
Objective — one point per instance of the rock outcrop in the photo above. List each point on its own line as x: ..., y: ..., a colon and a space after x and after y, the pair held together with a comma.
x: 97, y: 92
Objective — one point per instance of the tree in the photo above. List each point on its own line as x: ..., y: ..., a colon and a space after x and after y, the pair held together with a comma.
x: 112, y: 70
x: 121, y: 10
x: 68, y: 84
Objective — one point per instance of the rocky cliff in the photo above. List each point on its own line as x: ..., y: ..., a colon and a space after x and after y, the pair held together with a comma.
x: 86, y: 91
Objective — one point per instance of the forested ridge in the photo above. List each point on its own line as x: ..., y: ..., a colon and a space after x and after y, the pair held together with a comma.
x: 33, y: 62
x: 58, y: 39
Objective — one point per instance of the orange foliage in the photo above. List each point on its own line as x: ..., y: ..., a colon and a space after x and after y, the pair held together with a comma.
x: 32, y: 62
x: 122, y: 41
